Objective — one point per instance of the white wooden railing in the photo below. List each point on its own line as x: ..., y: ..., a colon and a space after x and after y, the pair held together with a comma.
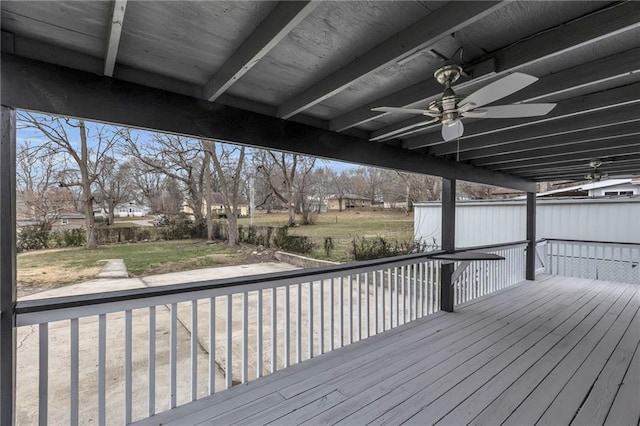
x: 121, y: 356
x: 604, y: 261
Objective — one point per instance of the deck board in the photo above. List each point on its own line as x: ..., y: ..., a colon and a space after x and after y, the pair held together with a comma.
x: 535, y: 352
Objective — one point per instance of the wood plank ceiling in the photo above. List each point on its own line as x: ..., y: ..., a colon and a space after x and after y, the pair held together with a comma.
x: 325, y: 64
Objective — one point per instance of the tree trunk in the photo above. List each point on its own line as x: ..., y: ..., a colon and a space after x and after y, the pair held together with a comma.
x: 232, y: 224
x: 207, y: 193
x: 111, y: 213
x: 87, y: 197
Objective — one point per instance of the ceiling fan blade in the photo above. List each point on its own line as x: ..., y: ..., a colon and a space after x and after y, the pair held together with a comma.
x: 510, y: 111
x: 452, y: 131
x: 402, y: 110
x: 499, y: 89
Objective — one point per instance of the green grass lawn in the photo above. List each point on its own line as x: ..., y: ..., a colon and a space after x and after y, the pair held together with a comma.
x: 343, y: 227
x: 42, y: 269
x: 50, y: 268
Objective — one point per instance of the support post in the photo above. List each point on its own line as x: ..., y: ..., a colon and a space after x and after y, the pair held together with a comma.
x: 531, y: 237
x: 448, y: 242
x: 7, y: 265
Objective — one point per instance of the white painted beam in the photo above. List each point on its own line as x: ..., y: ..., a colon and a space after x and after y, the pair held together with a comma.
x: 595, y: 27
x: 284, y: 17
x: 113, y: 41
x: 439, y: 24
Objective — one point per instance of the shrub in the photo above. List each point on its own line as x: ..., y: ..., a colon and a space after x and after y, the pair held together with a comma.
x: 363, y: 249
x: 33, y: 237
x: 292, y: 243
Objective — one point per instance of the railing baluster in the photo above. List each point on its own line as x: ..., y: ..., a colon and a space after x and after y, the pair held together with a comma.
x: 310, y: 317
x: 194, y: 350
x: 128, y: 361
x: 366, y: 304
x: 173, y: 355
x: 321, y: 314
x: 259, y: 350
x: 245, y: 337
x: 228, y: 359
x: 299, y: 324
x: 359, y: 298
x: 414, y: 293
x: 151, y: 371
x: 384, y: 304
x: 395, y: 290
x: 274, y: 329
x: 212, y: 345
x: 331, y: 317
x: 43, y: 373
x: 374, y: 274
x: 73, y: 418
x: 341, y: 311
x: 102, y: 368
x: 350, y: 309
x: 287, y: 330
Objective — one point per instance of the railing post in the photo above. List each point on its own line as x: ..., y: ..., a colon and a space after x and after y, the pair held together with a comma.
x: 7, y: 266
x: 531, y: 236
x: 448, y: 241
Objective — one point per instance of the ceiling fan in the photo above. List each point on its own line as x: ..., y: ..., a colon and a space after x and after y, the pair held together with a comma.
x: 595, y: 175
x: 450, y: 108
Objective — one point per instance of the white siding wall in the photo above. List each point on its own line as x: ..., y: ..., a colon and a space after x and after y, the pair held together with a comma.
x: 600, y: 192
x: 479, y: 223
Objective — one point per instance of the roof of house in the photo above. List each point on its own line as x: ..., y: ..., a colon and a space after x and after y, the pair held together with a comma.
x: 585, y: 187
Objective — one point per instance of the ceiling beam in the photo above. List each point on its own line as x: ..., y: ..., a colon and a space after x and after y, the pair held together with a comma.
x: 284, y: 18
x: 448, y: 19
x: 627, y: 168
x: 113, y: 40
x: 628, y: 163
x: 47, y: 88
x: 630, y: 146
x: 561, y: 39
x: 588, y: 111
x: 554, y: 144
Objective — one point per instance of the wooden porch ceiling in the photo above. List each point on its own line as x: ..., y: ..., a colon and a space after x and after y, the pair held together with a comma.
x: 555, y: 351
x: 324, y: 65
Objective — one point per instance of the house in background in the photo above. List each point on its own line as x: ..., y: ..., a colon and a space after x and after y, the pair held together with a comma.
x: 217, y: 206
x: 605, y: 188
x: 131, y: 210
x: 348, y: 201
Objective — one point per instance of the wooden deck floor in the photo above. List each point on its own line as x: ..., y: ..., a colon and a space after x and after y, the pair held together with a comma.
x: 555, y: 351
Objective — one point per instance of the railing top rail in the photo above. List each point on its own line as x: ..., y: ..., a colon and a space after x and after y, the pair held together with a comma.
x: 265, y: 280
x: 34, y: 311
x: 492, y: 246
x: 608, y: 243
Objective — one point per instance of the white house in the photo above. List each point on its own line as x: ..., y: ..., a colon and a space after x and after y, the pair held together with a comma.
x: 605, y: 188
x: 131, y: 210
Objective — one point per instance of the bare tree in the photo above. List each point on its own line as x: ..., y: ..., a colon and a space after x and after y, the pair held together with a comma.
x: 115, y: 185
x: 176, y: 157
x: 85, y: 164
x: 286, y: 174
x: 39, y: 196
x: 228, y: 161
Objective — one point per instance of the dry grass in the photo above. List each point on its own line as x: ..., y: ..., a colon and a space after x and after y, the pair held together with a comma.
x: 343, y: 227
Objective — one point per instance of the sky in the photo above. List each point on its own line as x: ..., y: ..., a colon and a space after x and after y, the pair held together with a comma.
x: 36, y: 136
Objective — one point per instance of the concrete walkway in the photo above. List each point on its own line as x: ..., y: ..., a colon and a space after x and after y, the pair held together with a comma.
x: 114, y: 268
x: 59, y: 349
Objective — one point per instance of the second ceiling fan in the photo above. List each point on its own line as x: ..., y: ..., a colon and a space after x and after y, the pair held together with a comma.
x: 450, y: 108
